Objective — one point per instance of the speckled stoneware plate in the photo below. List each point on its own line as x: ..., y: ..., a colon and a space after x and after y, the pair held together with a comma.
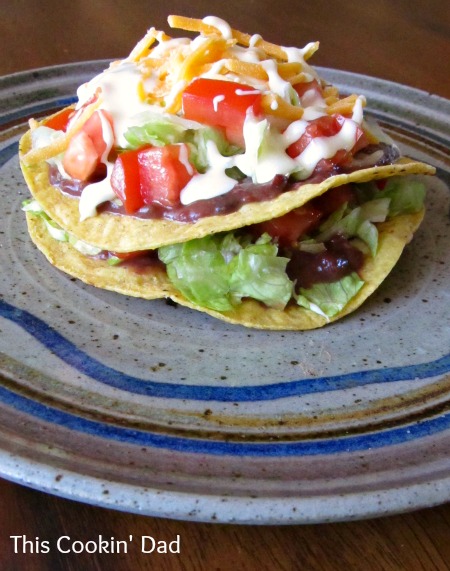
x: 150, y: 408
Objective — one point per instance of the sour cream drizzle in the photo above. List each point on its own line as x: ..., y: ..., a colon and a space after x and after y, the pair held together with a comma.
x: 212, y: 183
x: 276, y: 83
x: 95, y: 194
x: 217, y: 99
x: 223, y: 27
x: 120, y: 96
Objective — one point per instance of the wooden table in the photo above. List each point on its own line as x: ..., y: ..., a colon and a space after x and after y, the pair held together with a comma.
x: 403, y: 41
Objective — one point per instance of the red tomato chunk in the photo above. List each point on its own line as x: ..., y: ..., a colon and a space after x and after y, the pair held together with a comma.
x: 328, y: 126
x: 164, y: 173
x: 151, y: 175
x: 221, y: 104
x: 60, y: 120
x: 290, y: 227
x: 83, y: 156
x: 126, y: 182
x: 308, y: 91
x: 287, y: 229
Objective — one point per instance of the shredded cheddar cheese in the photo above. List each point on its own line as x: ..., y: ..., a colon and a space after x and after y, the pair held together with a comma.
x: 167, y: 65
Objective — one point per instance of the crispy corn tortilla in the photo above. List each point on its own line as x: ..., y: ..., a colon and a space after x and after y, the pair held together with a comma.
x: 121, y: 233
x: 153, y: 282
x: 149, y: 283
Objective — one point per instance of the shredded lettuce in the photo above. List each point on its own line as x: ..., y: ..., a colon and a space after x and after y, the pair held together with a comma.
x: 406, y: 194
x: 55, y: 230
x: 357, y: 223
x: 157, y: 133
x: 198, y: 269
x: 258, y: 272
x: 328, y: 299
x: 218, y: 271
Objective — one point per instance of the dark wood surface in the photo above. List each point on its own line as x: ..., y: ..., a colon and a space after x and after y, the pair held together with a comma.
x: 407, y: 41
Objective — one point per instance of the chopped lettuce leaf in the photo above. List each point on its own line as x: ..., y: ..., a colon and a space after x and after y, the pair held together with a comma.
x: 358, y: 223
x: 375, y: 210
x: 218, y: 271
x: 199, y: 271
x: 198, y: 140
x: 258, y: 272
x: 83, y: 247
x: 32, y: 205
x: 55, y: 230
x: 328, y: 299
x: 406, y: 194
x: 157, y: 133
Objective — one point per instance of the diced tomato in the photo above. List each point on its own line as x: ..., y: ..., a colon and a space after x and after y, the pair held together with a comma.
x: 333, y: 199
x: 164, y: 172
x: 93, y: 127
x: 235, y: 135
x: 81, y: 158
x: 126, y: 182
x: 60, y: 120
x: 151, y: 175
x: 289, y: 228
x: 381, y: 183
x: 86, y: 148
x: 221, y: 104
x: 327, y: 126
x: 126, y: 256
x: 313, y: 90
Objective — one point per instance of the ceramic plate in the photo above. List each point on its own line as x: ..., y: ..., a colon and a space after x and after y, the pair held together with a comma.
x: 156, y: 409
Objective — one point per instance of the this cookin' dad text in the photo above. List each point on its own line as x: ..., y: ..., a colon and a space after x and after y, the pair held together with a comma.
x: 65, y: 544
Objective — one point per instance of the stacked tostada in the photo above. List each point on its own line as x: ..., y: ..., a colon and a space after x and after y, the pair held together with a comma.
x: 220, y: 171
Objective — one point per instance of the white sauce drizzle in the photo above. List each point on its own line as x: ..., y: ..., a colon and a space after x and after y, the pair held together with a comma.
x: 217, y: 99
x: 213, y: 182
x: 254, y: 40
x: 183, y: 157
x: 294, y: 131
x: 312, y: 97
x: 326, y: 147
x: 96, y: 193
x: 314, y: 112
x: 276, y: 83
x: 357, y: 115
x: 177, y: 88
x: 249, y: 55
x: 120, y: 97
x: 223, y: 27
x: 298, y: 55
x: 247, y: 92
x: 165, y: 45
x: 264, y: 155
